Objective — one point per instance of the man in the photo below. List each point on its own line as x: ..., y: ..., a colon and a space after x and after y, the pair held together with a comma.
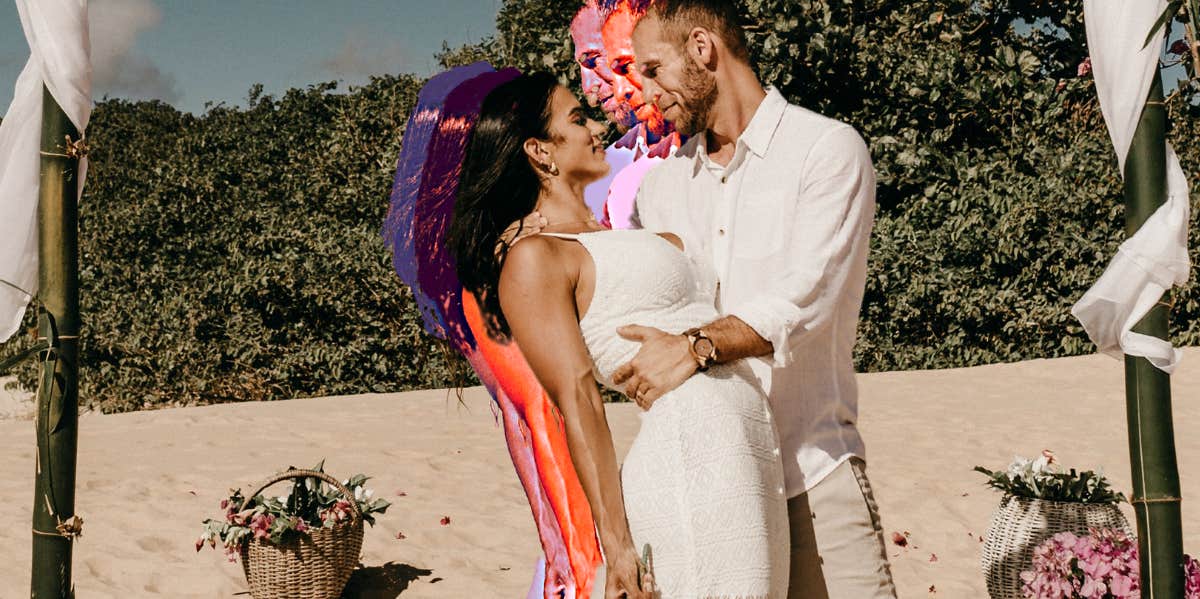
x: 601, y: 34
x: 652, y: 136
x: 777, y: 202
x: 595, y: 72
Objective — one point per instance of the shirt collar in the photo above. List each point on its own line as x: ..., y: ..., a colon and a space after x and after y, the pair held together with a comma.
x: 759, y: 131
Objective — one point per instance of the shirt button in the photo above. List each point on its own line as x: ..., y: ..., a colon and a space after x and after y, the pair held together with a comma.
x: 723, y: 179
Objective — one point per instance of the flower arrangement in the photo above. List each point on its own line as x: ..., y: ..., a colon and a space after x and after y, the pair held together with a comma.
x: 1100, y: 565
x: 1043, y: 478
x: 309, y: 504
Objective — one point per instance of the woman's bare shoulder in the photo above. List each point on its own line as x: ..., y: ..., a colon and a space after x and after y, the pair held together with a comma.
x: 532, y: 259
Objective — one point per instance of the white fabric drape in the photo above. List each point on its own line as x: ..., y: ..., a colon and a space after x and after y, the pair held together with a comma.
x: 1156, y: 257
x: 57, y: 32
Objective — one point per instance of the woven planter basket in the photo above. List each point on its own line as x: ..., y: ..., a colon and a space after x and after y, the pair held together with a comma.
x: 316, y: 565
x: 1020, y: 524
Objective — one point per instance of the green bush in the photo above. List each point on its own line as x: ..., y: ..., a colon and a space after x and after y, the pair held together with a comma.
x: 999, y: 197
x: 235, y: 255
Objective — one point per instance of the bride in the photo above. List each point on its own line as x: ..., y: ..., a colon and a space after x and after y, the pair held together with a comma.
x: 702, y: 484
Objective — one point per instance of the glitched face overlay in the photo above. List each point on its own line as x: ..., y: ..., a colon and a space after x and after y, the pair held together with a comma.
x: 594, y: 68
x: 627, y: 84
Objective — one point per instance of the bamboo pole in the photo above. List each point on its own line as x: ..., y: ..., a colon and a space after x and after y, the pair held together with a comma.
x: 54, y: 521
x: 1156, y: 497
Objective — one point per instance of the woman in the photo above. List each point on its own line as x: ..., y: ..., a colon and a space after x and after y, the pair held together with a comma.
x: 702, y: 483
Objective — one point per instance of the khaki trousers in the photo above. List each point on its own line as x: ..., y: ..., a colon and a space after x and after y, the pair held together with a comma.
x: 838, y: 550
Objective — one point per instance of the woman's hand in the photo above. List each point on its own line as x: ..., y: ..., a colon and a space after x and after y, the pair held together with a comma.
x: 622, y: 578
x: 530, y: 225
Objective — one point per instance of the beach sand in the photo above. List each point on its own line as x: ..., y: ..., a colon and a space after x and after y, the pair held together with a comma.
x: 147, y: 479
x: 15, y: 404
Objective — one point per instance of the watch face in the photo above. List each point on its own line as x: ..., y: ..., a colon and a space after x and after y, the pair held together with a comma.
x: 704, y: 347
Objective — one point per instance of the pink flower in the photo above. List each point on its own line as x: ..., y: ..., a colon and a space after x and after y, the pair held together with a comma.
x: 1100, y: 565
x: 224, y: 504
x: 1123, y: 585
x: 1191, y: 576
x: 261, y: 525
x: 1085, y: 68
x: 301, y: 525
x: 239, y: 518
x: 338, y: 512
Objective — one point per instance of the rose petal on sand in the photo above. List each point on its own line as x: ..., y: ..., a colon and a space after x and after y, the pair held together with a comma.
x: 933, y: 557
x: 400, y: 536
x: 932, y: 590
x: 445, y: 520
x: 899, y: 539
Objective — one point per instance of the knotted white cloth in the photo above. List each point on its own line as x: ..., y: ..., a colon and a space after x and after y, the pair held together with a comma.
x: 1156, y: 257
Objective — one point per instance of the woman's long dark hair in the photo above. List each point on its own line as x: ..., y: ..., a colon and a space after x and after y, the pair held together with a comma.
x: 498, y: 186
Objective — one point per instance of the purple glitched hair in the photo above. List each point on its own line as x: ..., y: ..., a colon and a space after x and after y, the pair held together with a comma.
x: 436, y: 273
x: 410, y: 170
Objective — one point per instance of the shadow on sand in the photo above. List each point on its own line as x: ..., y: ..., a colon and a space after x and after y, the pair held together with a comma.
x: 382, y: 582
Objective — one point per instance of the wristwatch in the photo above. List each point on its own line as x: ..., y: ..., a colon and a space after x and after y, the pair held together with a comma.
x: 702, y: 347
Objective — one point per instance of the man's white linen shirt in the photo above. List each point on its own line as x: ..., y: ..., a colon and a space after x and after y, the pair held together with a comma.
x: 781, y: 237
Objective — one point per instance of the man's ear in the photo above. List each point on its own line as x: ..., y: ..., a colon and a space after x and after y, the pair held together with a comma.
x: 701, y: 47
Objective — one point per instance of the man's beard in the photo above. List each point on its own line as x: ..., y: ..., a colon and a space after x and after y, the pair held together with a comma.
x: 696, y: 101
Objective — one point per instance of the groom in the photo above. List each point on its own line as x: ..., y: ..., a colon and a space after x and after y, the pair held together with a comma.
x: 777, y: 203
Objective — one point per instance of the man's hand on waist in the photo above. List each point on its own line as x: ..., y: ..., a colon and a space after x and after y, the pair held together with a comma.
x: 662, y: 364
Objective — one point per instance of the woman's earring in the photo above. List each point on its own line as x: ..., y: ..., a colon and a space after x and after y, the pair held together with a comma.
x: 553, y: 170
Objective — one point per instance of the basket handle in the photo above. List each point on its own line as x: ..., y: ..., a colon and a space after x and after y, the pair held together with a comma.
x: 299, y: 473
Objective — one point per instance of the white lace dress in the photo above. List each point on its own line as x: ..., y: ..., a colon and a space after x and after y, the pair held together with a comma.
x: 703, y: 482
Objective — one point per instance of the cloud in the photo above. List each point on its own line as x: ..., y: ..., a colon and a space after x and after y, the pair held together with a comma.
x: 118, y: 69
x: 358, y: 59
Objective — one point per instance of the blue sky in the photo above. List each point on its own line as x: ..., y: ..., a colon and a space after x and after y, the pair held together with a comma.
x: 188, y: 52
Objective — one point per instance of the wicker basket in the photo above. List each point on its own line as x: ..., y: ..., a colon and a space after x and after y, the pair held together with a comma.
x: 316, y: 565
x: 1020, y: 524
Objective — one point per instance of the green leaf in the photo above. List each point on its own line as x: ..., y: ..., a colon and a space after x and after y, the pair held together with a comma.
x: 1168, y: 13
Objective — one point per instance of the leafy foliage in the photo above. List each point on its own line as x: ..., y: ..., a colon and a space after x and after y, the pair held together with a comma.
x: 1074, y: 487
x: 999, y: 197
x: 235, y: 255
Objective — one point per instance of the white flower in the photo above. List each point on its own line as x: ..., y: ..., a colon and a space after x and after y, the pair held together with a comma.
x: 361, y: 494
x: 1041, y: 465
x: 1019, y: 467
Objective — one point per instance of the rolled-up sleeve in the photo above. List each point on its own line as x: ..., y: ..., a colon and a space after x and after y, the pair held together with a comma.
x: 822, y: 266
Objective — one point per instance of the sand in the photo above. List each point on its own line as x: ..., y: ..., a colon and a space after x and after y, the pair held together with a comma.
x: 147, y: 479
x: 15, y: 404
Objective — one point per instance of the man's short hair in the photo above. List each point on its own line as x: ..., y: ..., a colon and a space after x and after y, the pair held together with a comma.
x: 678, y: 17
x: 637, y: 7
